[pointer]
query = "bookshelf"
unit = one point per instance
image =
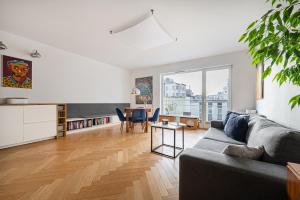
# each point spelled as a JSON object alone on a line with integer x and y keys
{"x": 61, "y": 120}
{"x": 89, "y": 122}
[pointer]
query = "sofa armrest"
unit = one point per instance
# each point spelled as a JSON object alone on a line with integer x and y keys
{"x": 210, "y": 175}
{"x": 217, "y": 124}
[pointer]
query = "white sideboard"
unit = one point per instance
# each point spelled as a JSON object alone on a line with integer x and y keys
{"x": 21, "y": 124}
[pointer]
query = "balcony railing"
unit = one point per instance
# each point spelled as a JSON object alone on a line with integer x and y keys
{"x": 214, "y": 108}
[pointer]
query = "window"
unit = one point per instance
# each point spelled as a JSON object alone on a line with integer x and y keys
{"x": 184, "y": 94}
{"x": 217, "y": 86}
{"x": 185, "y": 98}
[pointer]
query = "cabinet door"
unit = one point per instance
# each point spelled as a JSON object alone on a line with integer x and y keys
{"x": 11, "y": 125}
{"x": 40, "y": 130}
{"x": 39, "y": 113}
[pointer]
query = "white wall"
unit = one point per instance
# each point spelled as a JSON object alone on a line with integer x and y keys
{"x": 275, "y": 106}
{"x": 60, "y": 76}
{"x": 243, "y": 77}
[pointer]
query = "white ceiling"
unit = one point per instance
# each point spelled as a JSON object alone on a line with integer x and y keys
{"x": 203, "y": 27}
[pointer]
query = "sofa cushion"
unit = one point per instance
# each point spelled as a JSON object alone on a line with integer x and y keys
{"x": 281, "y": 144}
{"x": 236, "y": 127}
{"x": 219, "y": 135}
{"x": 252, "y": 126}
{"x": 243, "y": 151}
{"x": 211, "y": 145}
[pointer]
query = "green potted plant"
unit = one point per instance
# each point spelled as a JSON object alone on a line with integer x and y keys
{"x": 274, "y": 39}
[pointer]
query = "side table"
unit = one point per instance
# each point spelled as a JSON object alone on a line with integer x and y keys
{"x": 293, "y": 181}
{"x": 173, "y": 127}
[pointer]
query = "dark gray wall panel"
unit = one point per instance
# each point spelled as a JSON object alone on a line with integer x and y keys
{"x": 90, "y": 109}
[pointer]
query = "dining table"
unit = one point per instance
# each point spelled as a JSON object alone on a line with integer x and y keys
{"x": 129, "y": 110}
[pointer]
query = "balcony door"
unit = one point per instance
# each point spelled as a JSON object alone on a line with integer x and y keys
{"x": 217, "y": 93}
{"x": 204, "y": 93}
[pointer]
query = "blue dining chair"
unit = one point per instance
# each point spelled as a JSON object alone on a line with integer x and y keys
{"x": 121, "y": 118}
{"x": 138, "y": 116}
{"x": 154, "y": 118}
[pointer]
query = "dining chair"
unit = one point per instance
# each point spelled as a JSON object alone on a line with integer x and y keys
{"x": 154, "y": 118}
{"x": 121, "y": 118}
{"x": 138, "y": 116}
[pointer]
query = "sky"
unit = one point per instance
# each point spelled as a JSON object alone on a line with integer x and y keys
{"x": 215, "y": 80}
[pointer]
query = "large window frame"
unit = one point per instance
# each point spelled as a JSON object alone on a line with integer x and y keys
{"x": 204, "y": 70}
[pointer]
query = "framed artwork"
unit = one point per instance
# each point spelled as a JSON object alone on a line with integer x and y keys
{"x": 259, "y": 81}
{"x": 16, "y": 72}
{"x": 145, "y": 85}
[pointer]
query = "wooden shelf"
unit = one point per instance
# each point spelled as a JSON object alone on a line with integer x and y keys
{"x": 61, "y": 120}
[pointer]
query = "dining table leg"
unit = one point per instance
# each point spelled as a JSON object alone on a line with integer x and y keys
{"x": 146, "y": 126}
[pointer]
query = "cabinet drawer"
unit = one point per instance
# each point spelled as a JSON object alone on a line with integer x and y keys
{"x": 39, "y": 113}
{"x": 40, "y": 130}
{"x": 11, "y": 125}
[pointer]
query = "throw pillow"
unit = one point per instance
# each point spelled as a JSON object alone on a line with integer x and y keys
{"x": 243, "y": 151}
{"x": 236, "y": 127}
{"x": 229, "y": 113}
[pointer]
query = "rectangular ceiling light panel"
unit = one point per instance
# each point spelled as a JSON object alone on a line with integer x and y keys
{"x": 145, "y": 35}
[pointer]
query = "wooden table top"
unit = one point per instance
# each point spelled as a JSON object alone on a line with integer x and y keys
{"x": 295, "y": 168}
{"x": 131, "y": 109}
{"x": 170, "y": 125}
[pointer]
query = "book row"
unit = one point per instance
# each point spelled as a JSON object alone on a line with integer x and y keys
{"x": 86, "y": 123}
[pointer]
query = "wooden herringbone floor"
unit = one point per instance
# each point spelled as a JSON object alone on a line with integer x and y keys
{"x": 100, "y": 164}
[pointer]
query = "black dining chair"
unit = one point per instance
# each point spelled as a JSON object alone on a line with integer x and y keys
{"x": 154, "y": 118}
{"x": 121, "y": 118}
{"x": 138, "y": 116}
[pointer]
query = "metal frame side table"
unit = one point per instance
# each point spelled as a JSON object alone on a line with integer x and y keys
{"x": 173, "y": 127}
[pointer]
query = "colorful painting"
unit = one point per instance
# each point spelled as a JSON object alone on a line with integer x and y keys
{"x": 145, "y": 86}
{"x": 259, "y": 81}
{"x": 16, "y": 72}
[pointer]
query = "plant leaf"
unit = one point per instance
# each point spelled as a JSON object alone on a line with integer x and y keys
{"x": 251, "y": 25}
{"x": 267, "y": 14}
{"x": 287, "y": 13}
{"x": 295, "y": 100}
{"x": 266, "y": 72}
{"x": 297, "y": 52}
{"x": 243, "y": 37}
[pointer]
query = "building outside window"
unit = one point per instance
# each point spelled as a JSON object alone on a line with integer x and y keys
{"x": 220, "y": 111}
{"x": 182, "y": 94}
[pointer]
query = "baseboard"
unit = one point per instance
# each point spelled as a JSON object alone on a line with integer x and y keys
{"x": 27, "y": 142}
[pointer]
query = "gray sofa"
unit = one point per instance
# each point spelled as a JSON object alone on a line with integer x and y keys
{"x": 205, "y": 173}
